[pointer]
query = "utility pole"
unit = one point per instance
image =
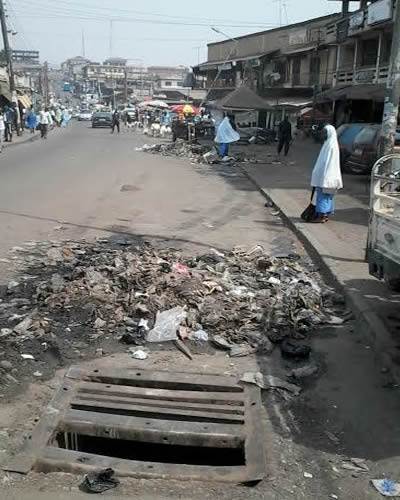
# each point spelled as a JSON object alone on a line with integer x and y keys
{"x": 391, "y": 109}
{"x": 126, "y": 84}
{"x": 111, "y": 38}
{"x": 8, "y": 55}
{"x": 46, "y": 83}
{"x": 83, "y": 43}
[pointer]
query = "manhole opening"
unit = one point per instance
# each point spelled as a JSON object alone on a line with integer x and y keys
{"x": 151, "y": 452}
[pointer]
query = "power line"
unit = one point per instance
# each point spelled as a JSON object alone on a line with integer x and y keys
{"x": 49, "y": 11}
{"x": 113, "y": 10}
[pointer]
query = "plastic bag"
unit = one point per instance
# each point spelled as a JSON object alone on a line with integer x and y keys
{"x": 387, "y": 487}
{"x": 225, "y": 133}
{"x": 166, "y": 325}
{"x": 97, "y": 482}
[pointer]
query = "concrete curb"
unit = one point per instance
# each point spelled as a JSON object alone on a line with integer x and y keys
{"x": 374, "y": 329}
{"x": 33, "y": 138}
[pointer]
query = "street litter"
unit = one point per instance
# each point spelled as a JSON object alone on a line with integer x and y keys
{"x": 98, "y": 482}
{"x": 166, "y": 326}
{"x": 142, "y": 355}
{"x": 387, "y": 487}
{"x": 355, "y": 464}
{"x": 268, "y": 382}
{"x": 38, "y": 374}
{"x": 27, "y": 356}
{"x": 304, "y": 371}
{"x": 81, "y": 293}
{"x": 308, "y": 475}
{"x": 200, "y": 335}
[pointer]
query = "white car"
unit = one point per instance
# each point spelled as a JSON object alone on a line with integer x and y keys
{"x": 85, "y": 116}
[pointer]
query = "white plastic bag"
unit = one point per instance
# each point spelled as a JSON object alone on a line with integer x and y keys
{"x": 166, "y": 325}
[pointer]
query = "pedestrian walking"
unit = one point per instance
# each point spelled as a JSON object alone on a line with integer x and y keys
{"x": 285, "y": 136}
{"x": 326, "y": 176}
{"x": 64, "y": 117}
{"x": 58, "y": 117}
{"x": 226, "y": 135}
{"x": 45, "y": 121}
{"x": 9, "y": 114}
{"x": 2, "y": 130}
{"x": 115, "y": 121}
{"x": 31, "y": 120}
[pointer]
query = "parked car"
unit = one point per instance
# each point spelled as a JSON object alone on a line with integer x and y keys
{"x": 85, "y": 116}
{"x": 102, "y": 119}
{"x": 366, "y": 148}
{"x": 346, "y": 135}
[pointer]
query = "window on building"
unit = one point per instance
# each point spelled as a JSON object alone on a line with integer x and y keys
{"x": 315, "y": 70}
{"x": 296, "y": 68}
{"x": 168, "y": 83}
{"x": 369, "y": 52}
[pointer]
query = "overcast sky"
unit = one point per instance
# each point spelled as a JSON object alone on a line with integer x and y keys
{"x": 140, "y": 29}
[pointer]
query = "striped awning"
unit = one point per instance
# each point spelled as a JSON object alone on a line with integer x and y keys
{"x": 25, "y": 100}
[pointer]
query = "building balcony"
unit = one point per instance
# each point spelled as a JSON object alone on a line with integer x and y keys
{"x": 361, "y": 75}
{"x": 375, "y": 15}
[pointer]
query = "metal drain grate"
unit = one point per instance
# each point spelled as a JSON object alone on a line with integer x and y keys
{"x": 149, "y": 424}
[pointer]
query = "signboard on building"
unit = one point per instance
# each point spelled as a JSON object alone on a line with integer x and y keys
{"x": 365, "y": 76}
{"x": 380, "y": 11}
{"x": 298, "y": 37}
{"x": 356, "y": 20}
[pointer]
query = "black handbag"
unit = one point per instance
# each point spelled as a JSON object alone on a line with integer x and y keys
{"x": 310, "y": 212}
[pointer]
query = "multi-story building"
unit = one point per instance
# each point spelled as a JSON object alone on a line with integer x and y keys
{"x": 26, "y": 56}
{"x": 285, "y": 66}
{"x": 364, "y": 39}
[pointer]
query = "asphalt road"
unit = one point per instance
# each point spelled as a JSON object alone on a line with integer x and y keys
{"x": 92, "y": 183}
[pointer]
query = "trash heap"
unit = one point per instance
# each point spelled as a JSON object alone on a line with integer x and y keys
{"x": 179, "y": 148}
{"x": 242, "y": 301}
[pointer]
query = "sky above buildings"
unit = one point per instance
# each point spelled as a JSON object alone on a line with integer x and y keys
{"x": 159, "y": 32}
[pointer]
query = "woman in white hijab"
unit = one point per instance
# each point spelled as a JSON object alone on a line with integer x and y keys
{"x": 327, "y": 176}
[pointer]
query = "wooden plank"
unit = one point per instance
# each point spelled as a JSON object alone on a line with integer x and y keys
{"x": 59, "y": 460}
{"x": 158, "y": 380}
{"x": 254, "y": 446}
{"x": 162, "y": 394}
{"x": 52, "y": 415}
{"x": 154, "y": 403}
{"x": 152, "y": 430}
{"x": 186, "y": 415}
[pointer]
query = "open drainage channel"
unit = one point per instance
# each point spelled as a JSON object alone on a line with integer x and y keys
{"x": 149, "y": 424}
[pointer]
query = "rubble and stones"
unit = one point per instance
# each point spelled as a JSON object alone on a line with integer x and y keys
{"x": 73, "y": 296}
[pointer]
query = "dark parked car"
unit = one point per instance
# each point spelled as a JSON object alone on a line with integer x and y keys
{"x": 366, "y": 148}
{"x": 101, "y": 119}
{"x": 346, "y": 135}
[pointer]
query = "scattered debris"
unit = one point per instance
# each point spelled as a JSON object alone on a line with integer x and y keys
{"x": 332, "y": 438}
{"x": 38, "y": 374}
{"x": 166, "y": 326}
{"x": 355, "y": 464}
{"x": 200, "y": 335}
{"x": 269, "y": 382}
{"x": 80, "y": 295}
{"x": 295, "y": 350}
{"x": 181, "y": 346}
{"x": 308, "y": 475}
{"x": 387, "y": 487}
{"x": 27, "y": 356}
{"x": 98, "y": 482}
{"x": 241, "y": 350}
{"x": 140, "y": 354}
{"x": 305, "y": 371}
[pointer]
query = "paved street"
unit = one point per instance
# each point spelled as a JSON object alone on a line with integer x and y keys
{"x": 84, "y": 183}
{"x": 95, "y": 184}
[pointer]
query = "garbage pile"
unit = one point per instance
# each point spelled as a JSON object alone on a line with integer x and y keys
{"x": 243, "y": 301}
{"x": 179, "y": 148}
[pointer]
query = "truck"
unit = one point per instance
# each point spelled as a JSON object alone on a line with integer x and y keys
{"x": 383, "y": 247}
